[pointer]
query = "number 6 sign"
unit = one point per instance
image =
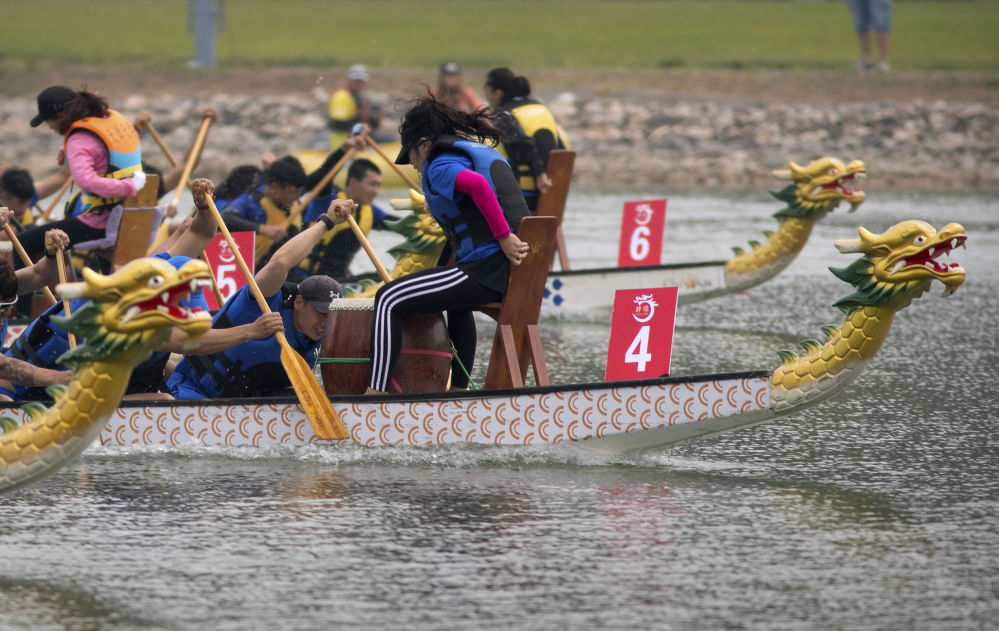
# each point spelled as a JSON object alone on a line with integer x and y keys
{"x": 642, "y": 225}
{"x": 641, "y": 338}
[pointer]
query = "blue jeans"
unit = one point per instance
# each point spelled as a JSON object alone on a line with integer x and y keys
{"x": 867, "y": 13}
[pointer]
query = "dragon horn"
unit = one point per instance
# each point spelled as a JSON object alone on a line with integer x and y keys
{"x": 846, "y": 246}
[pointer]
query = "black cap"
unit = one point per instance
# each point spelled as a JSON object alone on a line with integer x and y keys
{"x": 50, "y": 102}
{"x": 403, "y": 157}
{"x": 449, "y": 67}
{"x": 320, "y": 291}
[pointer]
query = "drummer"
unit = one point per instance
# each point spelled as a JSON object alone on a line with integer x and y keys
{"x": 473, "y": 194}
{"x": 254, "y": 368}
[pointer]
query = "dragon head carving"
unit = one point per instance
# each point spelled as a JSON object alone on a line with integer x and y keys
{"x": 819, "y": 187}
{"x": 134, "y": 306}
{"x": 900, "y": 263}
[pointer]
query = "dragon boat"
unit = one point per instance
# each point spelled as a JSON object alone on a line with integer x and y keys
{"x": 813, "y": 191}
{"x": 895, "y": 267}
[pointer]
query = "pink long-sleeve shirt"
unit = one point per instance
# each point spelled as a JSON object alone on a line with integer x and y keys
{"x": 87, "y": 158}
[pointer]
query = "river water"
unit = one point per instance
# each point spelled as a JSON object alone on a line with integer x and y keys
{"x": 878, "y": 509}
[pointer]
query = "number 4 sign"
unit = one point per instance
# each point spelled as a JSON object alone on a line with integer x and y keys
{"x": 642, "y": 225}
{"x": 641, "y": 339}
{"x": 223, "y": 263}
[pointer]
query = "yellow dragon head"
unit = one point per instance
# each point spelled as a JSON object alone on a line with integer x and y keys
{"x": 900, "y": 263}
{"x": 820, "y": 186}
{"x": 136, "y": 305}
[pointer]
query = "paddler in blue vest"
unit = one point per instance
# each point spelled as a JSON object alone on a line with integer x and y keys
{"x": 254, "y": 368}
{"x": 473, "y": 194}
{"x": 530, "y": 132}
{"x": 103, "y": 154}
{"x": 25, "y": 281}
{"x": 43, "y": 342}
{"x": 337, "y": 248}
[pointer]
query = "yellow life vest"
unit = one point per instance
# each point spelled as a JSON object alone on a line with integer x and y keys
{"x": 275, "y": 217}
{"x": 365, "y": 218}
{"x": 532, "y": 118}
{"x": 124, "y": 151}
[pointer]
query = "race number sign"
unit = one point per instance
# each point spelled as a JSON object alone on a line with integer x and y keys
{"x": 224, "y": 267}
{"x": 641, "y": 338}
{"x": 642, "y": 225}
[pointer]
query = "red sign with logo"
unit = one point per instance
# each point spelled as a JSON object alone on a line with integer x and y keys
{"x": 224, "y": 266}
{"x": 642, "y": 226}
{"x": 641, "y": 339}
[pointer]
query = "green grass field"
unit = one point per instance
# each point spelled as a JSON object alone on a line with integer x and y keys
{"x": 535, "y": 33}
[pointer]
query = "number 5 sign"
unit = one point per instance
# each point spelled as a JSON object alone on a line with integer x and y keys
{"x": 642, "y": 225}
{"x": 224, "y": 266}
{"x": 641, "y": 339}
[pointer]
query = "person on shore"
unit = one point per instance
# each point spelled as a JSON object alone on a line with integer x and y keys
{"x": 350, "y": 105}
{"x": 338, "y": 247}
{"x": 529, "y": 130}
{"x": 103, "y": 154}
{"x": 43, "y": 341}
{"x": 253, "y": 368}
{"x": 473, "y": 194}
{"x": 867, "y": 14}
{"x": 451, "y": 89}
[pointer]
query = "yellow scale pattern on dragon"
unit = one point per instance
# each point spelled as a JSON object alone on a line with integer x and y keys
{"x": 814, "y": 191}
{"x": 130, "y": 314}
{"x": 897, "y": 266}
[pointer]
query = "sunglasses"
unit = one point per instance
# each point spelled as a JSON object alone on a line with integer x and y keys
{"x": 8, "y": 303}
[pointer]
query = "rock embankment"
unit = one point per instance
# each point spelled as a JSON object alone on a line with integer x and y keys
{"x": 628, "y": 141}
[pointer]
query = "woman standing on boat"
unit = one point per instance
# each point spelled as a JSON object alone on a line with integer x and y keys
{"x": 529, "y": 130}
{"x": 473, "y": 194}
{"x": 103, "y": 154}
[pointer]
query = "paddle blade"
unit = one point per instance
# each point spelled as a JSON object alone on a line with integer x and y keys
{"x": 325, "y": 421}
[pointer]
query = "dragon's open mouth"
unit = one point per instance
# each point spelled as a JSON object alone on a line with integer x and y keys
{"x": 168, "y": 301}
{"x": 928, "y": 256}
{"x": 847, "y": 186}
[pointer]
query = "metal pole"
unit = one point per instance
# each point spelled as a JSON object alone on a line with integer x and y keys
{"x": 202, "y": 16}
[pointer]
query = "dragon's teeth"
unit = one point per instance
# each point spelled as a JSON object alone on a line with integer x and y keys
{"x": 133, "y": 311}
{"x": 163, "y": 309}
{"x": 165, "y": 296}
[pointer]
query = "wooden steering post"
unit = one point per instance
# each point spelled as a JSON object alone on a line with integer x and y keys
{"x": 324, "y": 419}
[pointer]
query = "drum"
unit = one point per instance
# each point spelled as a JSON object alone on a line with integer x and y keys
{"x": 424, "y": 363}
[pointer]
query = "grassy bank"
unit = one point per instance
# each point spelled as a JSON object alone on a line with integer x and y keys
{"x": 522, "y": 34}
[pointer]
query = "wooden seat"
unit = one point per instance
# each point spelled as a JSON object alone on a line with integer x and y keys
{"x": 517, "y": 340}
{"x": 552, "y": 202}
{"x": 139, "y": 219}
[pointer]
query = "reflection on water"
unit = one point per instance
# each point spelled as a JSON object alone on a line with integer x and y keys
{"x": 875, "y": 510}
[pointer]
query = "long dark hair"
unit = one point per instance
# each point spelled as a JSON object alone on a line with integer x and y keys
{"x": 511, "y": 85}
{"x": 429, "y": 118}
{"x": 83, "y": 105}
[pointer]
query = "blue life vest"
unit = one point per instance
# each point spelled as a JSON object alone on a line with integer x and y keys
{"x": 470, "y": 237}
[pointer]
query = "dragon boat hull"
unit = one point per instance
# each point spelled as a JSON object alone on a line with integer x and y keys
{"x": 582, "y": 291}
{"x": 610, "y": 417}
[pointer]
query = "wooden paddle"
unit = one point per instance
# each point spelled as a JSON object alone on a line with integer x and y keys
{"x": 55, "y": 200}
{"x": 324, "y": 419}
{"x": 185, "y": 175}
{"x": 391, "y": 162}
{"x": 66, "y": 309}
{"x": 367, "y": 248}
{"x": 301, "y": 204}
{"x": 27, "y": 260}
{"x": 159, "y": 141}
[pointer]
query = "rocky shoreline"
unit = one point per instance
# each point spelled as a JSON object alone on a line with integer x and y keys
{"x": 638, "y": 140}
